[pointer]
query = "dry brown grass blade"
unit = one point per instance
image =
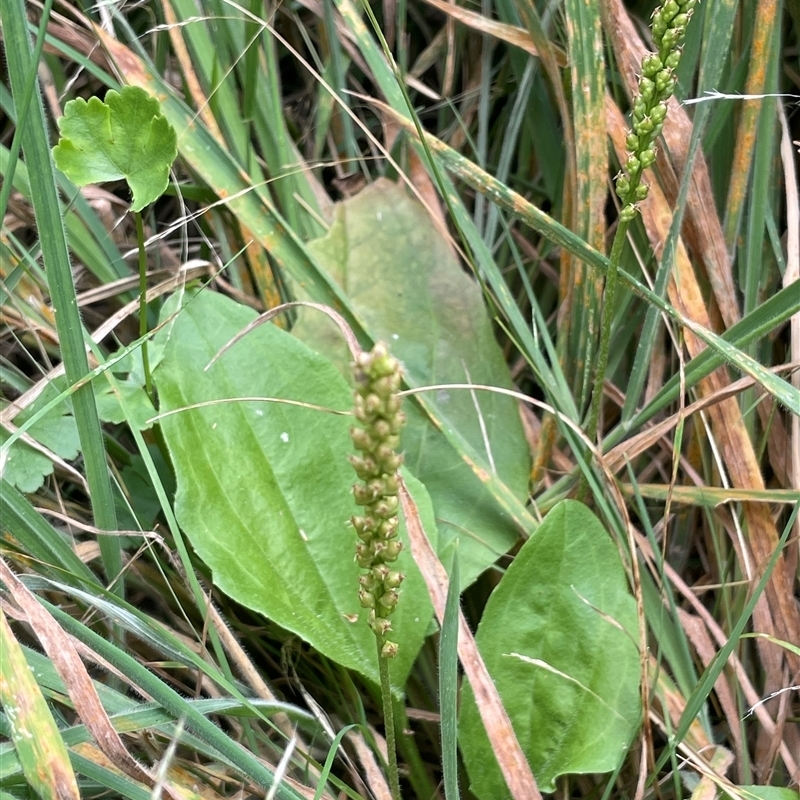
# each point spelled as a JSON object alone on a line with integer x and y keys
{"x": 617, "y": 457}
{"x": 737, "y": 450}
{"x": 719, "y": 636}
{"x": 712, "y": 496}
{"x": 507, "y": 750}
{"x": 673, "y": 703}
{"x": 792, "y": 275}
{"x": 702, "y": 228}
{"x": 711, "y": 761}
{"x": 700, "y": 638}
{"x": 766, "y": 18}
{"x": 510, "y": 34}
{"x": 189, "y": 75}
{"x": 256, "y": 257}
{"x": 373, "y": 776}
{"x": 62, "y": 652}
{"x": 187, "y": 272}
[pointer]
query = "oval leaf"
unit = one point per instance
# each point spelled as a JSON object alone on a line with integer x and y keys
{"x": 559, "y": 638}
{"x": 264, "y": 488}
{"x": 405, "y": 283}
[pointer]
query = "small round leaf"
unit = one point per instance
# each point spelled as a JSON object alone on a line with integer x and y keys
{"x": 124, "y": 137}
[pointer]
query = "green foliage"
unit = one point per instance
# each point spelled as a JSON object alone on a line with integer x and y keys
{"x": 404, "y": 281}
{"x": 517, "y": 126}
{"x": 559, "y": 638}
{"x": 26, "y": 467}
{"x": 130, "y": 386}
{"x": 124, "y": 137}
{"x": 264, "y": 488}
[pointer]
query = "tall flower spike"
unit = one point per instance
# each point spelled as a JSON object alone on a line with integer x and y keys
{"x": 377, "y": 407}
{"x": 656, "y": 86}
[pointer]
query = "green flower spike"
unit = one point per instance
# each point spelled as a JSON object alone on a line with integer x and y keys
{"x": 650, "y": 107}
{"x": 377, "y": 408}
{"x": 648, "y": 113}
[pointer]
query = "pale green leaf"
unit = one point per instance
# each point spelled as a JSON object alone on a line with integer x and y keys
{"x": 26, "y": 468}
{"x": 403, "y": 280}
{"x": 130, "y": 383}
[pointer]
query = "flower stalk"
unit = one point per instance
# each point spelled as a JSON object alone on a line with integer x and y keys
{"x": 656, "y": 86}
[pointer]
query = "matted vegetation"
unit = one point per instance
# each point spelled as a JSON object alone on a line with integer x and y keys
{"x": 600, "y": 425}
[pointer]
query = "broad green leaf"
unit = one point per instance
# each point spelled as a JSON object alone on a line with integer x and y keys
{"x": 264, "y": 489}
{"x": 559, "y": 639}
{"x": 25, "y": 467}
{"x": 403, "y": 280}
{"x": 124, "y": 137}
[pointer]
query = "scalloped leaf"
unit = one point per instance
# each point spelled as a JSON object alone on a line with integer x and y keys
{"x": 26, "y": 468}
{"x": 126, "y": 136}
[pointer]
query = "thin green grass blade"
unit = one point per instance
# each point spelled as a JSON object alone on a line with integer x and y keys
{"x": 26, "y": 96}
{"x": 62, "y": 290}
{"x": 174, "y": 704}
{"x": 129, "y": 715}
{"x": 509, "y": 149}
{"x": 118, "y": 785}
{"x": 216, "y": 78}
{"x": 448, "y": 683}
{"x": 38, "y": 539}
{"x": 249, "y": 68}
{"x": 484, "y": 112}
{"x": 756, "y": 325}
{"x": 669, "y": 636}
{"x": 330, "y": 758}
{"x": 558, "y": 234}
{"x": 338, "y": 65}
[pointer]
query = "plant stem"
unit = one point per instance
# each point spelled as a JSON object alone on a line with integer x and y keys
{"x": 388, "y": 720}
{"x": 609, "y": 297}
{"x": 148, "y": 380}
